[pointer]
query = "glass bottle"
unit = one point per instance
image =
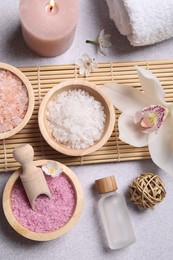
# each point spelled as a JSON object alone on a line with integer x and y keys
{"x": 114, "y": 214}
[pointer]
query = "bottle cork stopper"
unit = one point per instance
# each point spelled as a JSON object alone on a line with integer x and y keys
{"x": 106, "y": 184}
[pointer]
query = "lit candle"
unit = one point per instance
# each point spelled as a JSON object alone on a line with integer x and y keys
{"x": 48, "y": 27}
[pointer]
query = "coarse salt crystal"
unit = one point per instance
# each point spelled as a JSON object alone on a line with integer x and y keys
{"x": 76, "y": 119}
{"x": 13, "y": 101}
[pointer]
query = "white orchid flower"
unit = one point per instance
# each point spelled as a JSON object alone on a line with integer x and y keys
{"x": 52, "y": 169}
{"x": 103, "y": 42}
{"x": 86, "y": 65}
{"x": 146, "y": 118}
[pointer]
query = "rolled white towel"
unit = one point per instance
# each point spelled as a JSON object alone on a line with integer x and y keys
{"x": 144, "y": 22}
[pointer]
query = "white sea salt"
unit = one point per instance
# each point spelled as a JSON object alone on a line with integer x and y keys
{"x": 76, "y": 119}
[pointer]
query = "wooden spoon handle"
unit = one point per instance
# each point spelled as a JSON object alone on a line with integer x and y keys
{"x": 32, "y": 177}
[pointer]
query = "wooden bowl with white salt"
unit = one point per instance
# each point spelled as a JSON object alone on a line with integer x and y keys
{"x": 76, "y": 118}
{"x": 52, "y": 217}
{"x": 17, "y": 100}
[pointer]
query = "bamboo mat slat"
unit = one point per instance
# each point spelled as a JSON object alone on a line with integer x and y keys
{"x": 43, "y": 78}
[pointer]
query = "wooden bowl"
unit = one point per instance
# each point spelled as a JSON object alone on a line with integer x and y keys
{"x": 6, "y": 201}
{"x": 98, "y": 95}
{"x": 30, "y": 93}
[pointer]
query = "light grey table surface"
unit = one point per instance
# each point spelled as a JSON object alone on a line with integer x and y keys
{"x": 153, "y": 228}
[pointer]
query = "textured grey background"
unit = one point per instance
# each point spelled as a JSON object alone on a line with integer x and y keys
{"x": 153, "y": 228}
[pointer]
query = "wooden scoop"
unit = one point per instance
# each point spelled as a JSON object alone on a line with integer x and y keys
{"x": 32, "y": 177}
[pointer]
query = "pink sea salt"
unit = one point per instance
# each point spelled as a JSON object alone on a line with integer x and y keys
{"x": 49, "y": 214}
{"x": 13, "y": 101}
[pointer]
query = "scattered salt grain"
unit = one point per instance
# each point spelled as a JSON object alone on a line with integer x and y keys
{"x": 13, "y": 101}
{"x": 49, "y": 214}
{"x": 76, "y": 119}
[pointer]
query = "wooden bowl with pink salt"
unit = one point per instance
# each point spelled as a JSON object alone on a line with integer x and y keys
{"x": 16, "y": 100}
{"x": 53, "y": 216}
{"x": 76, "y": 118}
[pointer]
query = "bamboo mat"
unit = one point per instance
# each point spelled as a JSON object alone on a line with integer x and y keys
{"x": 45, "y": 77}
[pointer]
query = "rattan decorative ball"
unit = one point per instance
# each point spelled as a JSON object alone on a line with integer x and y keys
{"x": 147, "y": 190}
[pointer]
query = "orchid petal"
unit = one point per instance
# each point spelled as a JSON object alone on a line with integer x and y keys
{"x": 125, "y": 98}
{"x": 161, "y": 148}
{"x": 150, "y": 130}
{"x": 130, "y": 133}
{"x": 151, "y": 86}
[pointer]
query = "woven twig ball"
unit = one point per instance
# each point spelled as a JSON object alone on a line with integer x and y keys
{"x": 147, "y": 190}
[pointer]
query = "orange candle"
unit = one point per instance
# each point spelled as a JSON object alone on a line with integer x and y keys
{"x": 48, "y": 27}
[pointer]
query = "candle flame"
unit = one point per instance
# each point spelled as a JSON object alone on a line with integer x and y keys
{"x": 52, "y": 4}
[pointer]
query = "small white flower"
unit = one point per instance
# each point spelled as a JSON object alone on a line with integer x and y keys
{"x": 86, "y": 65}
{"x": 103, "y": 42}
{"x": 52, "y": 169}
